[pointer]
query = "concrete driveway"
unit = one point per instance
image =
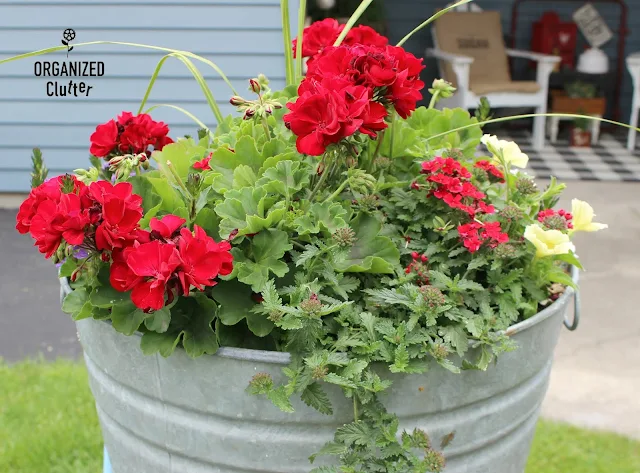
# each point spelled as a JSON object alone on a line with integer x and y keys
{"x": 596, "y": 377}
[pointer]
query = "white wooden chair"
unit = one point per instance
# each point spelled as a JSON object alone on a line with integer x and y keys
{"x": 633, "y": 65}
{"x": 472, "y": 56}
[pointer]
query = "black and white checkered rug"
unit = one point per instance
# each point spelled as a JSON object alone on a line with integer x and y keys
{"x": 609, "y": 160}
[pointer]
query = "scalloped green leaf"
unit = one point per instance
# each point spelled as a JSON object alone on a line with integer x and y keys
{"x": 244, "y": 210}
{"x": 286, "y": 178}
{"x": 326, "y": 217}
{"x": 267, "y": 249}
{"x": 182, "y": 154}
{"x": 371, "y": 253}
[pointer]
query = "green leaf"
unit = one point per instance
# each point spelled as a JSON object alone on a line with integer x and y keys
{"x": 225, "y": 161}
{"x": 401, "y": 361}
{"x": 329, "y": 448}
{"x": 68, "y": 267}
{"x": 467, "y": 285}
{"x": 326, "y": 217}
{"x": 170, "y": 198}
{"x": 570, "y": 258}
{"x": 235, "y": 304}
{"x": 456, "y": 336}
{"x": 209, "y": 221}
{"x": 107, "y": 296}
{"x": 158, "y": 321}
{"x": 314, "y": 396}
{"x": 286, "y": 178}
{"x": 199, "y": 337}
{"x": 357, "y": 433}
{"x": 181, "y": 154}
{"x": 244, "y": 210}
{"x": 267, "y": 249}
{"x": 126, "y": 317}
{"x": 280, "y": 399}
{"x": 74, "y": 301}
{"x": 333, "y": 378}
{"x": 163, "y": 343}
{"x": 371, "y": 253}
{"x": 244, "y": 176}
{"x": 559, "y": 276}
{"x": 150, "y": 199}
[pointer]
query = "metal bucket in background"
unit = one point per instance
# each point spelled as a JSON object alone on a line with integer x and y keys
{"x": 176, "y": 414}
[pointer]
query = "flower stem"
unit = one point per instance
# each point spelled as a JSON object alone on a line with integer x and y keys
{"x": 355, "y": 408}
{"x": 265, "y": 125}
{"x": 338, "y": 191}
{"x": 175, "y": 175}
{"x": 434, "y": 98}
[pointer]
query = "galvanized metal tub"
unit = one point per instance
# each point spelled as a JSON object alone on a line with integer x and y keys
{"x": 176, "y": 414}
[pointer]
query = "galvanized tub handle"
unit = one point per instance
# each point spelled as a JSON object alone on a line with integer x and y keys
{"x": 576, "y": 313}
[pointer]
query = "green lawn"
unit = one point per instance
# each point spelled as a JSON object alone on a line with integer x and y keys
{"x": 48, "y": 425}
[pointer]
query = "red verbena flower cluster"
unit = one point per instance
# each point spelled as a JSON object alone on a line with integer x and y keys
{"x": 454, "y": 187}
{"x": 322, "y": 34}
{"x": 419, "y": 266}
{"x": 474, "y": 234}
{"x": 490, "y": 169}
{"x": 167, "y": 261}
{"x": 556, "y": 220}
{"x": 129, "y": 134}
{"x": 348, "y": 89}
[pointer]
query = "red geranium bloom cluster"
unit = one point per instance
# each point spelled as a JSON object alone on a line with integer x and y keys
{"x": 474, "y": 234}
{"x": 556, "y": 220}
{"x": 490, "y": 169}
{"x": 454, "y": 187}
{"x": 347, "y": 89}
{"x": 167, "y": 261}
{"x": 332, "y": 109}
{"x": 101, "y": 216}
{"x": 129, "y": 134}
{"x": 322, "y": 34}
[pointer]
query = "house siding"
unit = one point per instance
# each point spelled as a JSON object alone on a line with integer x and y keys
{"x": 404, "y": 15}
{"x": 243, "y": 37}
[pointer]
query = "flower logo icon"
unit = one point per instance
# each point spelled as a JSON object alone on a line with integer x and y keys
{"x": 68, "y": 35}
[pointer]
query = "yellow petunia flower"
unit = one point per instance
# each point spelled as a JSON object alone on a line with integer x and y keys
{"x": 583, "y": 217}
{"x": 509, "y": 151}
{"x": 548, "y": 242}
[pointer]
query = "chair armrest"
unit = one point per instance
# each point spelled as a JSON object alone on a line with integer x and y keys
{"x": 456, "y": 59}
{"x": 534, "y": 56}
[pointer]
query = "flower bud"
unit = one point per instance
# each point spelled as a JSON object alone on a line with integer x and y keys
{"x": 445, "y": 88}
{"x": 237, "y": 101}
{"x": 254, "y": 86}
{"x": 248, "y": 114}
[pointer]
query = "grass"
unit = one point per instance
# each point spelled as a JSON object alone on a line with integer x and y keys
{"x": 48, "y": 424}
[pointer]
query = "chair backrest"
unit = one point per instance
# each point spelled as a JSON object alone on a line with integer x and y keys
{"x": 471, "y": 6}
{"x": 477, "y": 35}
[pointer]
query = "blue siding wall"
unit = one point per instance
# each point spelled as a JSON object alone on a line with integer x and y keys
{"x": 243, "y": 37}
{"x": 404, "y": 15}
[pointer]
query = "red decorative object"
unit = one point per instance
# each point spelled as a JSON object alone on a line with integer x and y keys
{"x": 552, "y": 36}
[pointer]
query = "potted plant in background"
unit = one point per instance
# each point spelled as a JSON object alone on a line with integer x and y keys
{"x": 332, "y": 273}
{"x": 580, "y": 134}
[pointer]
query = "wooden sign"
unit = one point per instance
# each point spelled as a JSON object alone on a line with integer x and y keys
{"x": 592, "y": 25}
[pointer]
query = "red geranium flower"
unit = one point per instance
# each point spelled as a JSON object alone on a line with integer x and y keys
{"x": 167, "y": 227}
{"x": 154, "y": 263}
{"x": 121, "y": 213}
{"x": 202, "y": 259}
{"x": 316, "y": 119}
{"x": 104, "y": 139}
{"x": 130, "y": 134}
{"x": 203, "y": 164}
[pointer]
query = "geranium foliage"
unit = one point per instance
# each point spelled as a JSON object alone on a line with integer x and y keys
{"x": 335, "y": 221}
